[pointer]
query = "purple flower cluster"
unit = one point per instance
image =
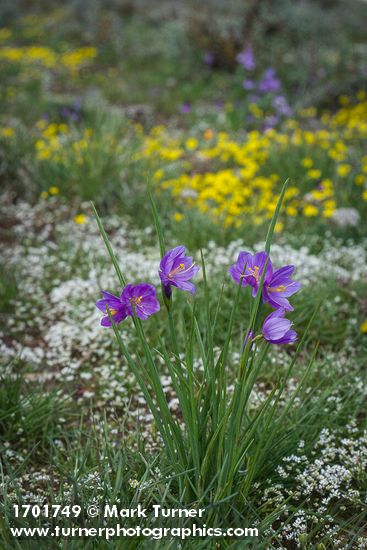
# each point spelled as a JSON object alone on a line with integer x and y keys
{"x": 140, "y": 298}
{"x": 176, "y": 269}
{"x": 266, "y": 85}
{"x": 277, "y": 287}
{"x": 269, "y": 82}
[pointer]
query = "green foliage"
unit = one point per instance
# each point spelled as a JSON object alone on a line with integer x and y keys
{"x": 220, "y": 437}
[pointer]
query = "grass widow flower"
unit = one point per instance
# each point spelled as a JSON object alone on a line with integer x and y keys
{"x": 277, "y": 330}
{"x": 176, "y": 269}
{"x": 279, "y": 287}
{"x": 116, "y": 306}
{"x": 249, "y": 269}
{"x": 142, "y": 298}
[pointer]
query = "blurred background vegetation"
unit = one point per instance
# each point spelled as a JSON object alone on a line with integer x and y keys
{"x": 83, "y": 85}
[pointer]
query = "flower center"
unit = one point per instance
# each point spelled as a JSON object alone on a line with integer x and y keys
{"x": 181, "y": 267}
{"x": 136, "y": 300}
{"x": 280, "y": 288}
{"x": 112, "y": 311}
{"x": 255, "y": 272}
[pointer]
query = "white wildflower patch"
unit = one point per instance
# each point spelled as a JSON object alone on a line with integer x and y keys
{"x": 324, "y": 480}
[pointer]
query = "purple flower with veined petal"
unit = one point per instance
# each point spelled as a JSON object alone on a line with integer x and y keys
{"x": 141, "y": 297}
{"x": 246, "y": 58}
{"x": 249, "y": 269}
{"x": 116, "y": 306}
{"x": 279, "y": 287}
{"x": 277, "y": 330}
{"x": 176, "y": 269}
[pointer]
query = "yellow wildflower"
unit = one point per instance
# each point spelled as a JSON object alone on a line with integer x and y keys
{"x": 191, "y": 143}
{"x": 80, "y": 219}
{"x": 343, "y": 100}
{"x": 314, "y": 174}
{"x": 178, "y": 217}
{"x": 7, "y": 132}
{"x": 343, "y": 170}
{"x": 360, "y": 179}
{"x": 310, "y": 210}
{"x": 307, "y": 162}
{"x": 279, "y": 226}
{"x": 291, "y": 211}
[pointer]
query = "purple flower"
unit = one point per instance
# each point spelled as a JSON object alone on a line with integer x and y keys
{"x": 185, "y": 107}
{"x": 246, "y": 59}
{"x": 140, "y": 297}
{"x": 209, "y": 59}
{"x": 254, "y": 268}
{"x": 279, "y": 287}
{"x": 269, "y": 82}
{"x": 281, "y": 105}
{"x": 277, "y": 330}
{"x": 176, "y": 269}
{"x": 116, "y": 306}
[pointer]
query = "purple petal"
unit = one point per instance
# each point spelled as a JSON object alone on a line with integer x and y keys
{"x": 274, "y": 329}
{"x": 289, "y": 337}
{"x": 237, "y": 270}
{"x": 108, "y": 296}
{"x": 117, "y": 318}
{"x": 283, "y": 273}
{"x": 235, "y": 274}
{"x": 101, "y": 304}
{"x": 185, "y": 285}
{"x": 278, "y": 313}
{"x": 277, "y": 300}
{"x": 169, "y": 258}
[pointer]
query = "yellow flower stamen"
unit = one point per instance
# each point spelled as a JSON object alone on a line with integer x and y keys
{"x": 112, "y": 311}
{"x": 255, "y": 272}
{"x": 280, "y": 288}
{"x": 178, "y": 269}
